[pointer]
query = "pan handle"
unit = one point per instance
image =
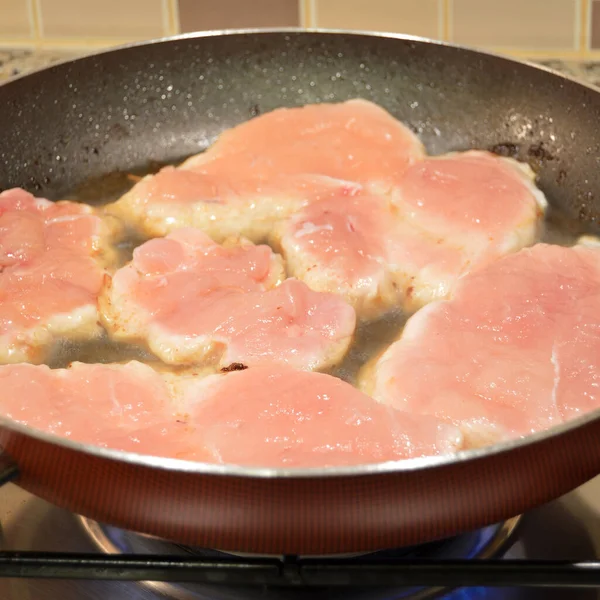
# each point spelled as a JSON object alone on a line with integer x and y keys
{"x": 8, "y": 467}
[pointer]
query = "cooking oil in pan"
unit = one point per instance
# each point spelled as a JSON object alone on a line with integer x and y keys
{"x": 97, "y": 350}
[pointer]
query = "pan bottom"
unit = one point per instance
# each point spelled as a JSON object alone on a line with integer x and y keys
{"x": 488, "y": 542}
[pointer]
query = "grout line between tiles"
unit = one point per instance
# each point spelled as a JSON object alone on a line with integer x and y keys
{"x": 593, "y": 5}
{"x": 567, "y": 53}
{"x": 302, "y": 20}
{"x": 165, "y": 17}
{"x": 171, "y": 9}
{"x": 577, "y": 29}
{"x": 448, "y": 21}
{"x": 35, "y": 10}
{"x": 31, "y": 20}
{"x": 579, "y": 25}
{"x": 545, "y": 54}
{"x": 442, "y": 18}
{"x": 311, "y": 6}
{"x": 175, "y": 16}
{"x": 585, "y": 19}
{"x": 83, "y": 44}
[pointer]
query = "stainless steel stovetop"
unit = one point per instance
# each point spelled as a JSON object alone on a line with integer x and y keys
{"x": 568, "y": 529}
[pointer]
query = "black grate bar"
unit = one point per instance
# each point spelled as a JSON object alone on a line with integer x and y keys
{"x": 302, "y": 572}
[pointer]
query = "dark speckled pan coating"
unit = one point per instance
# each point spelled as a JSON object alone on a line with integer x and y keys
{"x": 163, "y": 101}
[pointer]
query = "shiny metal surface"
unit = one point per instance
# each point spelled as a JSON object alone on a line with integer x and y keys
{"x": 568, "y": 528}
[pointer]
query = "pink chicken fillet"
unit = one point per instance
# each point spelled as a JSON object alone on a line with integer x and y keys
{"x": 102, "y": 405}
{"x": 195, "y": 301}
{"x": 267, "y": 168}
{"x": 50, "y": 279}
{"x": 278, "y": 416}
{"x": 264, "y": 416}
{"x": 447, "y": 215}
{"x": 514, "y": 351}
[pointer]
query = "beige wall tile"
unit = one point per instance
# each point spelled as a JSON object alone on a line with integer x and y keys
{"x": 196, "y": 15}
{"x": 130, "y": 19}
{"x": 527, "y": 24}
{"x": 14, "y": 19}
{"x": 595, "y": 25}
{"x": 415, "y": 17}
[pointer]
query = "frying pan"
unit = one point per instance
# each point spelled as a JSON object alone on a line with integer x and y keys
{"x": 167, "y": 99}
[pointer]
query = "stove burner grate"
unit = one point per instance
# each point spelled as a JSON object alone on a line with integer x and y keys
{"x": 486, "y": 543}
{"x": 208, "y": 575}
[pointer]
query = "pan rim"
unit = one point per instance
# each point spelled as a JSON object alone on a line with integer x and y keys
{"x": 267, "y": 473}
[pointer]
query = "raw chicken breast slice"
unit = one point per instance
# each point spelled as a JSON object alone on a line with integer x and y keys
{"x": 50, "y": 256}
{"x": 102, "y": 405}
{"x": 194, "y": 301}
{"x": 267, "y": 168}
{"x": 354, "y": 140}
{"x": 486, "y": 203}
{"x": 175, "y": 198}
{"x": 361, "y": 249}
{"x": 30, "y": 226}
{"x": 515, "y": 350}
{"x": 271, "y": 416}
{"x": 448, "y": 216}
{"x": 276, "y": 416}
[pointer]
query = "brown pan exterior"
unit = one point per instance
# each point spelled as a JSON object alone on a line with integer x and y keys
{"x": 318, "y": 515}
{"x": 56, "y": 133}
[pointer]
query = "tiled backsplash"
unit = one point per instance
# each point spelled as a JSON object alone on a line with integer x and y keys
{"x": 536, "y": 28}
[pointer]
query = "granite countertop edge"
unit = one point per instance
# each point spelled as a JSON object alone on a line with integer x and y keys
{"x": 14, "y": 62}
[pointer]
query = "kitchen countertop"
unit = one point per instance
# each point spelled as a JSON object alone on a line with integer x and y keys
{"x": 17, "y": 62}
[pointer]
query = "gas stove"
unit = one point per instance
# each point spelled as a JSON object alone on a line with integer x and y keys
{"x": 566, "y": 530}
